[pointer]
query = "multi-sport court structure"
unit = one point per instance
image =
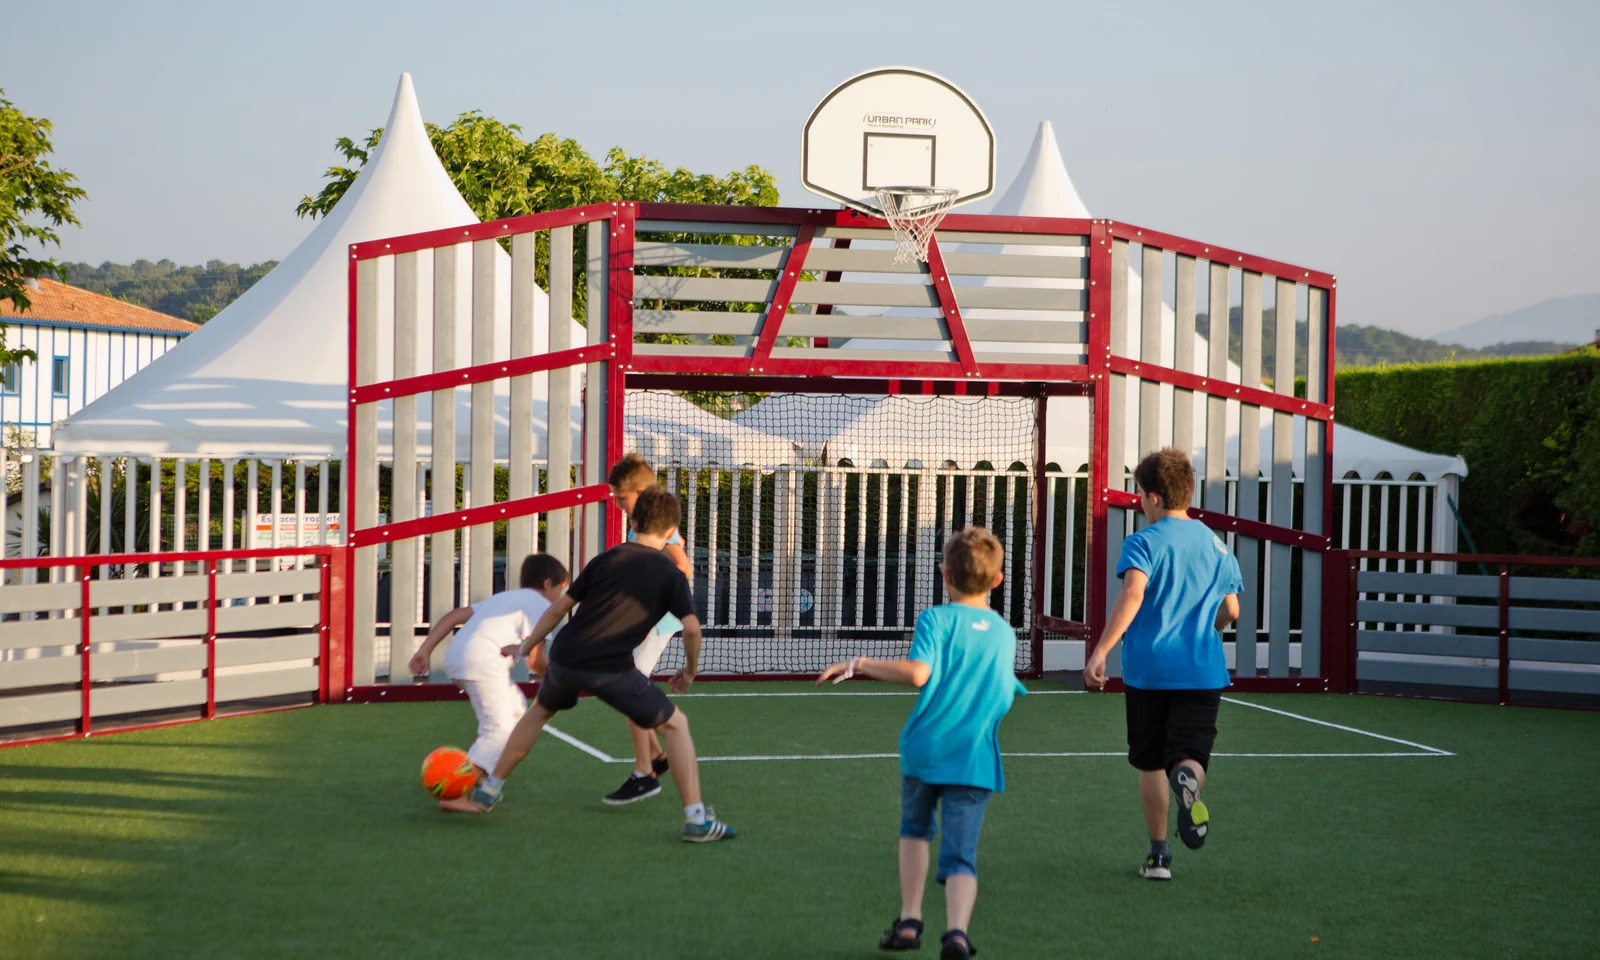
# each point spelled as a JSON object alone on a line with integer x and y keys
{"x": 811, "y": 542}
{"x": 804, "y": 554}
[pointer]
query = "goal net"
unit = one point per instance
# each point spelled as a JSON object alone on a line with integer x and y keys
{"x": 815, "y": 521}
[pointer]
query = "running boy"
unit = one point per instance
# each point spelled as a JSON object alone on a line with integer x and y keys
{"x": 620, "y": 595}
{"x": 1180, "y": 586}
{"x": 628, "y": 478}
{"x": 475, "y": 661}
{"x": 963, "y": 658}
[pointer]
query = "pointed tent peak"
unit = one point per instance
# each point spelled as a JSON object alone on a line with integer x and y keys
{"x": 1042, "y": 187}
{"x": 405, "y": 117}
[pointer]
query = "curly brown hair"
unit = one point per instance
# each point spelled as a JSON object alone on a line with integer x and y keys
{"x": 973, "y": 557}
{"x": 1168, "y": 474}
{"x": 630, "y": 474}
{"x": 656, "y": 511}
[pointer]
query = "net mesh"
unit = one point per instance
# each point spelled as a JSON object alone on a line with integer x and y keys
{"x": 913, "y": 213}
{"x": 815, "y": 521}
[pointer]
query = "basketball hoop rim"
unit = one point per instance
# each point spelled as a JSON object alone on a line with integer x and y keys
{"x": 941, "y": 199}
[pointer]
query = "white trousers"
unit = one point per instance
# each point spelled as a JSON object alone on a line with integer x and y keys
{"x": 499, "y": 704}
{"x": 646, "y": 655}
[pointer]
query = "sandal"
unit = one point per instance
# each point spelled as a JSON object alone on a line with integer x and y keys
{"x": 892, "y": 939}
{"x": 955, "y": 945}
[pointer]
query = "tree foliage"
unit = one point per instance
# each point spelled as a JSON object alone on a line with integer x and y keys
{"x": 195, "y": 293}
{"x": 35, "y": 199}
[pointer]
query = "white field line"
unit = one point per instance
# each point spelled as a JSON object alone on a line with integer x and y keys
{"x": 595, "y": 752}
{"x": 1086, "y": 753}
{"x": 1338, "y": 726}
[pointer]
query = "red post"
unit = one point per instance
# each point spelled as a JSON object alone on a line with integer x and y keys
{"x": 1041, "y": 533}
{"x": 322, "y": 630}
{"x": 1352, "y": 625}
{"x": 339, "y": 667}
{"x": 211, "y": 640}
{"x": 84, "y": 724}
{"x": 1505, "y": 633}
{"x": 1335, "y": 620}
{"x": 1099, "y": 364}
{"x": 619, "y": 286}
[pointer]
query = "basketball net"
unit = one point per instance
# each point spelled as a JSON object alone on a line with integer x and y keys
{"x": 913, "y": 214}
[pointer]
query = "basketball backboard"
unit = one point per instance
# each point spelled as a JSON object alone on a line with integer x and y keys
{"x": 896, "y": 127}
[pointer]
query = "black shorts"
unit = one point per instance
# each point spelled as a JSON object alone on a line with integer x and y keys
{"x": 630, "y": 693}
{"x": 1166, "y": 726}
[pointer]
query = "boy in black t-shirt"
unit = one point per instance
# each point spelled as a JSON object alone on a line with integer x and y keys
{"x": 620, "y": 596}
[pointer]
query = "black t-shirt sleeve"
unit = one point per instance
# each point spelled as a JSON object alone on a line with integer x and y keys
{"x": 680, "y": 600}
{"x": 579, "y": 585}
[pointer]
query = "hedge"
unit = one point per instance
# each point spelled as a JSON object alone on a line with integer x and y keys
{"x": 1529, "y": 430}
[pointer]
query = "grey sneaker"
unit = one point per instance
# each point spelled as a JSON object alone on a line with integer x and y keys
{"x": 633, "y": 789}
{"x": 710, "y": 831}
{"x": 1156, "y": 868}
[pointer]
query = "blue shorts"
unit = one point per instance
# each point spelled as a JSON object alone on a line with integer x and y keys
{"x": 962, "y": 818}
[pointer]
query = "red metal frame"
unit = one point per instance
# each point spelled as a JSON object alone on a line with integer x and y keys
{"x": 1228, "y": 522}
{"x": 1099, "y": 471}
{"x": 85, "y": 567}
{"x": 948, "y": 306}
{"x": 484, "y": 373}
{"x": 794, "y": 264}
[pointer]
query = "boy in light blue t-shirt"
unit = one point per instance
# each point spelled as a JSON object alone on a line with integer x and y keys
{"x": 963, "y": 659}
{"x": 1180, "y": 587}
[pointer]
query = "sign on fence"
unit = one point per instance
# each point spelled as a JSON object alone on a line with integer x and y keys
{"x": 310, "y": 529}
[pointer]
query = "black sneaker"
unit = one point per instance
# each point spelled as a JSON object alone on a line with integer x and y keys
{"x": 1193, "y": 818}
{"x": 1156, "y": 868}
{"x": 634, "y": 789}
{"x": 659, "y": 766}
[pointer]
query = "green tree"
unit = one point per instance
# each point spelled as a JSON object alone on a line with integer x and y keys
{"x": 35, "y": 198}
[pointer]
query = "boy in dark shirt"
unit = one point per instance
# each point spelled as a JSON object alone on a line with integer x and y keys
{"x": 620, "y": 597}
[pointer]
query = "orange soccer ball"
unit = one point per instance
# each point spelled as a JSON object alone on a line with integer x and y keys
{"x": 447, "y": 773}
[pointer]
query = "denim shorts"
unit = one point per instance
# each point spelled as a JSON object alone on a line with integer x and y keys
{"x": 961, "y": 817}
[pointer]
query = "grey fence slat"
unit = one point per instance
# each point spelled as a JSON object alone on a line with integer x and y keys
{"x": 688, "y": 350}
{"x": 947, "y": 237}
{"x": 1041, "y": 357}
{"x": 558, "y": 477}
{"x": 1431, "y": 644}
{"x": 923, "y": 328}
{"x": 34, "y": 597}
{"x": 1428, "y": 584}
{"x": 1316, "y": 478}
{"x": 442, "y": 463}
{"x": 307, "y": 613}
{"x": 1564, "y": 621}
{"x": 403, "y": 497}
{"x": 1427, "y": 614}
{"x": 855, "y": 294}
{"x": 167, "y": 625}
{"x": 23, "y": 634}
{"x": 595, "y": 399}
{"x": 481, "y": 536}
{"x": 40, "y": 708}
{"x": 1150, "y": 320}
{"x": 167, "y": 590}
{"x": 1116, "y": 439}
{"x": 856, "y": 260}
{"x": 736, "y": 323}
{"x": 139, "y": 697}
{"x": 253, "y": 650}
{"x": 1555, "y": 651}
{"x": 364, "y": 492}
{"x": 1436, "y": 673}
{"x": 122, "y": 664}
{"x": 1546, "y": 588}
{"x": 43, "y": 672}
{"x": 1282, "y": 482}
{"x": 269, "y": 584}
{"x": 1216, "y": 487}
{"x": 1249, "y": 486}
{"x": 1183, "y": 347}
{"x": 738, "y": 229}
{"x": 270, "y": 683}
{"x": 1532, "y": 679}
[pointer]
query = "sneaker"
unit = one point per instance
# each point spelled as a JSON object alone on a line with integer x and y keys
{"x": 485, "y": 797}
{"x": 710, "y": 831}
{"x": 1193, "y": 817}
{"x": 1156, "y": 868}
{"x": 634, "y": 789}
{"x": 659, "y": 766}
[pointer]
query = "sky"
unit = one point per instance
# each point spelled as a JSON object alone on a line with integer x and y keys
{"x": 1440, "y": 158}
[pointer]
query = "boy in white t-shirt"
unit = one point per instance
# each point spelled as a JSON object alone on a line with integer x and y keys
{"x": 475, "y": 662}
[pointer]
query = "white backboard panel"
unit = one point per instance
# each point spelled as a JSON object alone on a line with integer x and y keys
{"x": 896, "y": 127}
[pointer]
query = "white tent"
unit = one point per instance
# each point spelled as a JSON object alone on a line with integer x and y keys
{"x": 1044, "y": 189}
{"x": 664, "y": 427}
{"x": 266, "y": 377}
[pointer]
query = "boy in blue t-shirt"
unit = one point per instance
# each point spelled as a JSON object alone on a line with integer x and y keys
{"x": 1180, "y": 587}
{"x": 963, "y": 659}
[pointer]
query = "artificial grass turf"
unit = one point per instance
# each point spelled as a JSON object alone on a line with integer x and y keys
{"x": 306, "y": 832}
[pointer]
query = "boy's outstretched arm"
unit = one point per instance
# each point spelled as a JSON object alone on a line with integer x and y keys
{"x": 422, "y": 659}
{"x": 1122, "y": 614}
{"x": 684, "y": 678}
{"x": 910, "y": 673}
{"x": 1228, "y": 611}
{"x": 542, "y": 629}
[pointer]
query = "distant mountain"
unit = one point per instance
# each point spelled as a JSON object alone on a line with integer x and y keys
{"x": 1569, "y": 320}
{"x": 193, "y": 293}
